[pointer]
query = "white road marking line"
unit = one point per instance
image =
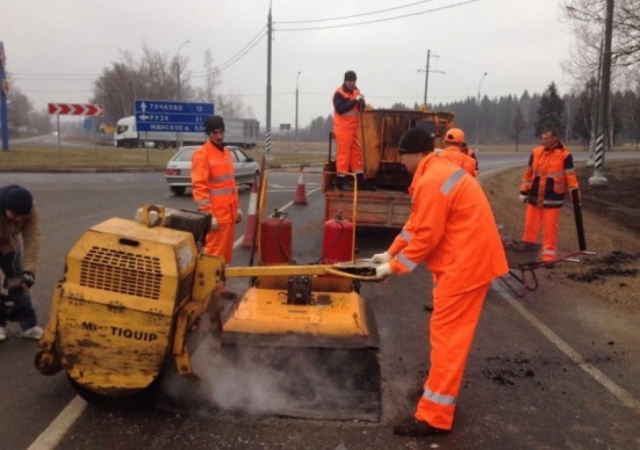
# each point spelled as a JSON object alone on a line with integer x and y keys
{"x": 51, "y": 437}
{"x": 625, "y": 398}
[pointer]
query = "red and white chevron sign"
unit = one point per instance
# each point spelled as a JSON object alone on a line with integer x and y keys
{"x": 75, "y": 109}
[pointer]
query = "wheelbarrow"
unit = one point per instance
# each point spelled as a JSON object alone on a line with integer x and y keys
{"x": 522, "y": 258}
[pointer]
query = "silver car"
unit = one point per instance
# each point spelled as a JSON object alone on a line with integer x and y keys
{"x": 178, "y": 173}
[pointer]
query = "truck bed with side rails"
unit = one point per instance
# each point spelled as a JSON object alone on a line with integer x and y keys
{"x": 383, "y": 201}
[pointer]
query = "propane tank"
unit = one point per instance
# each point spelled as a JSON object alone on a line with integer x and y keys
{"x": 275, "y": 239}
{"x": 337, "y": 242}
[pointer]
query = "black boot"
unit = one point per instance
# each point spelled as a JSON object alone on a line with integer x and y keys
{"x": 411, "y": 427}
{"x": 341, "y": 184}
{"x": 364, "y": 185}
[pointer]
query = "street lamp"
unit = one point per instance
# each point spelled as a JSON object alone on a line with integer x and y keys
{"x": 478, "y": 119}
{"x": 179, "y": 86}
{"x": 295, "y": 145}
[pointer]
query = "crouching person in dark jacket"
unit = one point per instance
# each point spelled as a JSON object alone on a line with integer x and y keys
{"x": 19, "y": 251}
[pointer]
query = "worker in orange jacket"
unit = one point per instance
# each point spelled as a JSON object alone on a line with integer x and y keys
{"x": 215, "y": 190}
{"x": 348, "y": 102}
{"x": 452, "y": 229}
{"x": 470, "y": 152}
{"x": 548, "y": 177}
{"x": 453, "y": 140}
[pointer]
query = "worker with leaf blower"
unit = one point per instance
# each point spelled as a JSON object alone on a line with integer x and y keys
{"x": 452, "y": 229}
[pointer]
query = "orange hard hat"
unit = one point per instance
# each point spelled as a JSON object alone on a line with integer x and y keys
{"x": 455, "y": 136}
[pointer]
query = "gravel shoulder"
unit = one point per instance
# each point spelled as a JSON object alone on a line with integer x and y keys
{"x": 611, "y": 218}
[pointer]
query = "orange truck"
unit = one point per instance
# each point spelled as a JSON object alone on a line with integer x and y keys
{"x": 384, "y": 200}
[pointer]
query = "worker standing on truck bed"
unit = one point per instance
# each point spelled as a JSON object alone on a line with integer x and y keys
{"x": 548, "y": 177}
{"x": 348, "y": 103}
{"x": 453, "y": 140}
{"x": 452, "y": 229}
{"x": 215, "y": 190}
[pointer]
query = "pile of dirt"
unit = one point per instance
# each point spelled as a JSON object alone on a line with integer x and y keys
{"x": 611, "y": 218}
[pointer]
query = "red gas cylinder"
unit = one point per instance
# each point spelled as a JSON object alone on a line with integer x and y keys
{"x": 337, "y": 242}
{"x": 275, "y": 239}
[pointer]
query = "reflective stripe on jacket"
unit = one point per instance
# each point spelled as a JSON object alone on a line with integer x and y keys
{"x": 548, "y": 176}
{"x": 452, "y": 229}
{"x": 214, "y": 185}
{"x": 346, "y": 109}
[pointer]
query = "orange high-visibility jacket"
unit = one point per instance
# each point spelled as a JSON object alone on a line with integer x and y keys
{"x": 470, "y": 152}
{"x": 548, "y": 176}
{"x": 214, "y": 185}
{"x": 346, "y": 110}
{"x": 452, "y": 230}
{"x": 455, "y": 155}
{"x": 400, "y": 241}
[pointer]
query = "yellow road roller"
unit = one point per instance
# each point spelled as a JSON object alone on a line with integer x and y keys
{"x": 133, "y": 291}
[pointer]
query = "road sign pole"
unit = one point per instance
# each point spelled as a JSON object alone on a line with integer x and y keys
{"x": 59, "y": 146}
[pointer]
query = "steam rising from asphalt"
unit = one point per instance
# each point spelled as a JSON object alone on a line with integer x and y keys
{"x": 260, "y": 381}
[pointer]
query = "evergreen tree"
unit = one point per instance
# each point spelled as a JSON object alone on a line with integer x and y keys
{"x": 550, "y": 111}
{"x": 517, "y": 125}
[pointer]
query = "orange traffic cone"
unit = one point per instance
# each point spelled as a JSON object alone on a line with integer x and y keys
{"x": 250, "y": 229}
{"x": 301, "y": 195}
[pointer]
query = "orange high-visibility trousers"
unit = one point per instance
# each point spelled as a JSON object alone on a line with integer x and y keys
{"x": 452, "y": 327}
{"x": 549, "y": 218}
{"x": 220, "y": 242}
{"x": 348, "y": 153}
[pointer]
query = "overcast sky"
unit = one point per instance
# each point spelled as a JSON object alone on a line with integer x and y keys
{"x": 55, "y": 48}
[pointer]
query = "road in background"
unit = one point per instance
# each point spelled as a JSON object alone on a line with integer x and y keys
{"x": 521, "y": 387}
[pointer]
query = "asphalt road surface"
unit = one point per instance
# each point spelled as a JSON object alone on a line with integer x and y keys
{"x": 551, "y": 370}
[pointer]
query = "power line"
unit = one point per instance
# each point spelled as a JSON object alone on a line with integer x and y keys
{"x": 493, "y": 66}
{"x": 455, "y": 5}
{"x": 55, "y": 74}
{"x": 355, "y": 15}
{"x": 235, "y": 58}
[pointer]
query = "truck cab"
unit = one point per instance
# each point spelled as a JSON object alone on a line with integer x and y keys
{"x": 126, "y": 134}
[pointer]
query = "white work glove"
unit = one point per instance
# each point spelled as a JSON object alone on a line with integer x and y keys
{"x": 239, "y": 215}
{"x": 360, "y": 97}
{"x": 522, "y": 198}
{"x": 381, "y": 257}
{"x": 383, "y": 270}
{"x": 214, "y": 224}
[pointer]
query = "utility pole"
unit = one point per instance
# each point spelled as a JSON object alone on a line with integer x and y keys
{"x": 295, "y": 145}
{"x": 267, "y": 135}
{"x": 478, "y": 119}
{"x": 602, "y": 141}
{"x": 179, "y": 134}
{"x": 594, "y": 111}
{"x": 426, "y": 76}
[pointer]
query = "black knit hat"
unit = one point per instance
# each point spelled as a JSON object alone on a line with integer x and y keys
{"x": 416, "y": 140}
{"x": 213, "y": 123}
{"x": 350, "y": 75}
{"x": 19, "y": 201}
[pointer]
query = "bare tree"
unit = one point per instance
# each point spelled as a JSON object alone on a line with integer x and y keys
{"x": 209, "y": 91}
{"x": 586, "y": 18}
{"x": 19, "y": 107}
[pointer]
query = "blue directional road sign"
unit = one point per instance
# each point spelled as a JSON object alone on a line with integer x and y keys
{"x": 171, "y": 117}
